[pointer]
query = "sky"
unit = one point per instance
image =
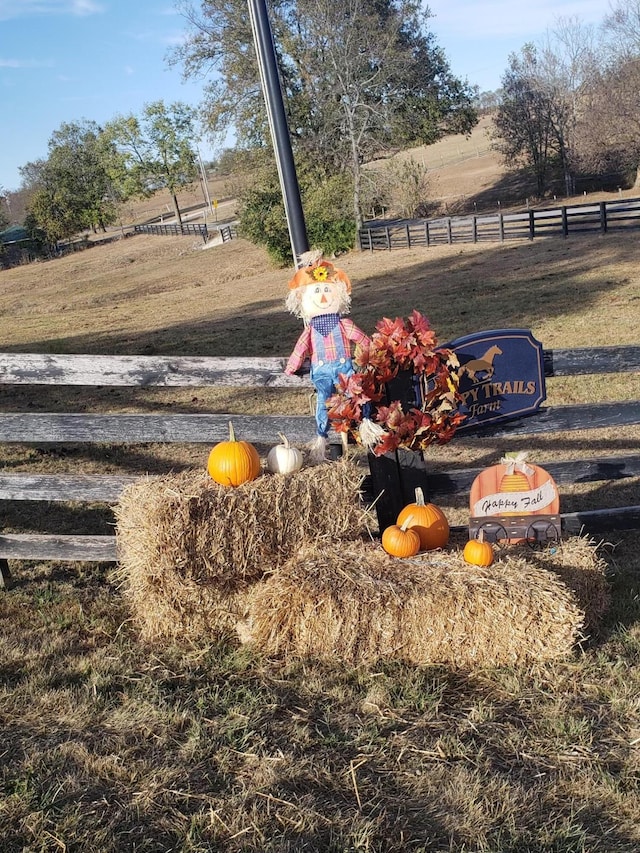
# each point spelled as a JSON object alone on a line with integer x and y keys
{"x": 74, "y": 60}
{"x": 478, "y": 37}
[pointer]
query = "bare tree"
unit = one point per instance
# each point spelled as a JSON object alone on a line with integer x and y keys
{"x": 554, "y": 82}
{"x": 567, "y": 71}
{"x": 621, "y": 28}
{"x": 609, "y": 126}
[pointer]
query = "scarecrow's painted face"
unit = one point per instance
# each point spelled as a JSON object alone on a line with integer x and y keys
{"x": 322, "y": 297}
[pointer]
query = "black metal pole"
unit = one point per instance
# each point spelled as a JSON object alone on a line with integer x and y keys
{"x": 265, "y": 50}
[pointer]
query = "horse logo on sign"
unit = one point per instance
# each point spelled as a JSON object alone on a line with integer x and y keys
{"x": 482, "y": 365}
{"x": 501, "y": 375}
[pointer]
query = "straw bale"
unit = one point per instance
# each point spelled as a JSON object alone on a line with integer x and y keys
{"x": 352, "y": 603}
{"x": 189, "y": 548}
{"x": 578, "y": 563}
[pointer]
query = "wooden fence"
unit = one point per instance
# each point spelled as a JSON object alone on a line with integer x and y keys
{"x": 19, "y": 369}
{"x": 592, "y": 218}
{"x": 173, "y": 229}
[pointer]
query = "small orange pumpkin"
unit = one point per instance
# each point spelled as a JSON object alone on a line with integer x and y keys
{"x": 233, "y": 462}
{"x": 477, "y": 552}
{"x": 401, "y": 540}
{"x": 428, "y": 520}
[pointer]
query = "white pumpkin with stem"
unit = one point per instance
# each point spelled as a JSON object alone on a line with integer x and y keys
{"x": 283, "y": 458}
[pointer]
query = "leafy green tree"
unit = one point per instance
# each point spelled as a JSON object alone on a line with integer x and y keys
{"x": 52, "y": 211}
{"x": 326, "y": 201}
{"x": 358, "y": 76}
{"x": 154, "y": 151}
{"x": 78, "y": 159}
{"x": 71, "y": 190}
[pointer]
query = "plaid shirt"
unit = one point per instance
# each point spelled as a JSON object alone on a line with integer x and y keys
{"x": 304, "y": 346}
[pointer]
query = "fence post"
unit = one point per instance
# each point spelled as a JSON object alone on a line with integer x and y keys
{"x": 532, "y": 226}
{"x": 406, "y": 228}
{"x": 474, "y": 226}
{"x": 501, "y": 226}
{"x": 388, "y": 236}
{"x": 603, "y": 217}
{"x": 449, "y": 232}
{"x": 565, "y": 222}
{"x": 426, "y": 232}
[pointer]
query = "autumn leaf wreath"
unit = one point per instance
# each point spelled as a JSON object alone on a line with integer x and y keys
{"x": 362, "y": 406}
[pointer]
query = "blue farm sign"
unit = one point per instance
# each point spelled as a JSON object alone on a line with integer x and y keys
{"x": 501, "y": 375}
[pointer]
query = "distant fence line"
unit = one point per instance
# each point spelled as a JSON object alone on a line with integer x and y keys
{"x": 595, "y": 218}
{"x": 227, "y": 232}
{"x": 185, "y": 229}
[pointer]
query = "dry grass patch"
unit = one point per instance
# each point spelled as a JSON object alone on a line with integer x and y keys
{"x": 112, "y": 744}
{"x": 162, "y": 295}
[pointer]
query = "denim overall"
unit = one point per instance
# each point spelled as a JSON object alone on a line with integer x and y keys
{"x": 324, "y": 374}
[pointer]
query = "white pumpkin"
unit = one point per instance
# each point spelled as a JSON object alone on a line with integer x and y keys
{"x": 283, "y": 458}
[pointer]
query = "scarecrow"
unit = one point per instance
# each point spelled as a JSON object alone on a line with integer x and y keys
{"x": 320, "y": 294}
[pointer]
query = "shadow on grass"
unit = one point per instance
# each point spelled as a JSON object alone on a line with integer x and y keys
{"x": 505, "y": 285}
{"x": 249, "y": 759}
{"x": 511, "y": 189}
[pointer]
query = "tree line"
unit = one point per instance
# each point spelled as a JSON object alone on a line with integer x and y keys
{"x": 361, "y": 80}
{"x": 90, "y": 171}
{"x": 569, "y": 106}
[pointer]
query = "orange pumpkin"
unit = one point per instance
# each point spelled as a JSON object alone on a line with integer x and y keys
{"x": 477, "y": 552}
{"x": 428, "y": 520}
{"x": 233, "y": 462}
{"x": 401, "y": 541}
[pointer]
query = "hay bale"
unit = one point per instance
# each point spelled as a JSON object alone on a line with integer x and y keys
{"x": 188, "y": 548}
{"x": 352, "y": 603}
{"x": 579, "y": 565}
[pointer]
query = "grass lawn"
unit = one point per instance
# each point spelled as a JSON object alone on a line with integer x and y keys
{"x": 112, "y": 745}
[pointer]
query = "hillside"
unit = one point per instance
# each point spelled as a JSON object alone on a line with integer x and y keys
{"x": 468, "y": 175}
{"x": 465, "y": 175}
{"x": 461, "y": 169}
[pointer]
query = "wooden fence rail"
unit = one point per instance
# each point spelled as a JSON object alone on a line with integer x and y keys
{"x": 595, "y": 218}
{"x": 163, "y": 426}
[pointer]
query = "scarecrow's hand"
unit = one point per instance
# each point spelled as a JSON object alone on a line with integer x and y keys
{"x": 296, "y": 366}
